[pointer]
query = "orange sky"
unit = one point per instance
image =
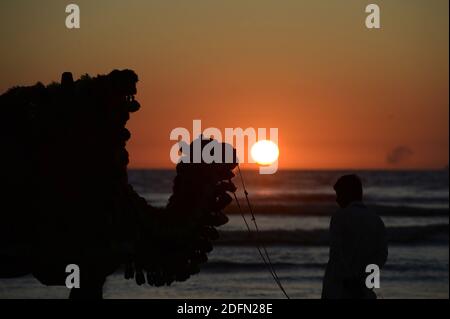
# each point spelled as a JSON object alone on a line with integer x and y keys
{"x": 341, "y": 96}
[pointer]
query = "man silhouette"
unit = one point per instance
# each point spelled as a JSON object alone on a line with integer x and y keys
{"x": 357, "y": 239}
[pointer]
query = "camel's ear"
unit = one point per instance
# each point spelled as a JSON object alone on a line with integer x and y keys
{"x": 66, "y": 79}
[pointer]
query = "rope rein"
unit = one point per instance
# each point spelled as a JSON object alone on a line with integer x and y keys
{"x": 263, "y": 253}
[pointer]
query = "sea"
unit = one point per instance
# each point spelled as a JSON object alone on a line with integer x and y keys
{"x": 292, "y": 211}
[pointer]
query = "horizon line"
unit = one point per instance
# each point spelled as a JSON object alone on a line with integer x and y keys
{"x": 313, "y": 169}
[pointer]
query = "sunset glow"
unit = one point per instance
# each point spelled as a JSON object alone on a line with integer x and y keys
{"x": 345, "y": 96}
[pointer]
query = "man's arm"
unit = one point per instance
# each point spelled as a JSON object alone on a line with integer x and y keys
{"x": 382, "y": 244}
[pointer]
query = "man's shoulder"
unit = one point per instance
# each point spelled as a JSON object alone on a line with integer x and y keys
{"x": 363, "y": 214}
{"x": 357, "y": 210}
{"x": 351, "y": 209}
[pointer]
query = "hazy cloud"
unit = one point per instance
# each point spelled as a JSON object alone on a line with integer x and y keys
{"x": 399, "y": 154}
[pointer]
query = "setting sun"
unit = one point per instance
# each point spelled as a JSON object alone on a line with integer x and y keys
{"x": 265, "y": 152}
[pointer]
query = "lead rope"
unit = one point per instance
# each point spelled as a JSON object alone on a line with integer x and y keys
{"x": 250, "y": 232}
{"x": 264, "y": 256}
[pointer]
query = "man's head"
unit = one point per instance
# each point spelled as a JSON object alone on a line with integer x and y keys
{"x": 348, "y": 189}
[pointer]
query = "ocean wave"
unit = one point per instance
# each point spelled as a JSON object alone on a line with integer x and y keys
{"x": 433, "y": 234}
{"x": 296, "y": 188}
{"x": 231, "y": 265}
{"x": 327, "y": 209}
{"x": 225, "y": 265}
